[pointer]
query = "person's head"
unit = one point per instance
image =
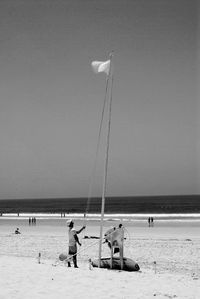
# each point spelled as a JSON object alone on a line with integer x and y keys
{"x": 70, "y": 223}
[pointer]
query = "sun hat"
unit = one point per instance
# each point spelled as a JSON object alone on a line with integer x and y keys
{"x": 69, "y": 222}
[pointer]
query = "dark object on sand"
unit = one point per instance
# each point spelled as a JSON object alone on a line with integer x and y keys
{"x": 128, "y": 264}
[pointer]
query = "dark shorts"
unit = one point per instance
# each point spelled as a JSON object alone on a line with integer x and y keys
{"x": 72, "y": 250}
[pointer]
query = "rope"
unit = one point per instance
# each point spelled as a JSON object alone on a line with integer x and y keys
{"x": 106, "y": 159}
{"x": 99, "y": 135}
{"x": 68, "y": 258}
{"x": 96, "y": 155}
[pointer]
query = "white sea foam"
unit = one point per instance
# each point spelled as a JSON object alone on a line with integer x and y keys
{"x": 107, "y": 216}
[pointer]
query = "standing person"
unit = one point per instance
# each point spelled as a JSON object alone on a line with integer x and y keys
{"x": 73, "y": 240}
{"x": 149, "y": 221}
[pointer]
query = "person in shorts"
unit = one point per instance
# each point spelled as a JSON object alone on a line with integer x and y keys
{"x": 73, "y": 241}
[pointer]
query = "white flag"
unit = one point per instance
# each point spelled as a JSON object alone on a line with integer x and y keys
{"x": 101, "y": 66}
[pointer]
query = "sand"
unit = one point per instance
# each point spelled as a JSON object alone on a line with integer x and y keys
{"x": 168, "y": 258}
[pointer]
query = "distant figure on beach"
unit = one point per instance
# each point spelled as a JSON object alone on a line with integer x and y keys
{"x": 17, "y": 231}
{"x": 150, "y": 221}
{"x": 73, "y": 240}
{"x": 33, "y": 221}
{"x": 29, "y": 221}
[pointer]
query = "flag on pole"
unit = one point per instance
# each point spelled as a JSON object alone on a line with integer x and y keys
{"x": 101, "y": 66}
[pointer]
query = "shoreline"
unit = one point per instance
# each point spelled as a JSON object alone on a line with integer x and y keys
{"x": 107, "y": 216}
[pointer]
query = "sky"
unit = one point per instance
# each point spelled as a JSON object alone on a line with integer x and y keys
{"x": 51, "y": 100}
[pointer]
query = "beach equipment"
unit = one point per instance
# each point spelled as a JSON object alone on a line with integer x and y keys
{"x": 115, "y": 238}
{"x": 63, "y": 257}
{"x": 115, "y": 264}
{"x": 90, "y": 264}
{"x": 101, "y": 66}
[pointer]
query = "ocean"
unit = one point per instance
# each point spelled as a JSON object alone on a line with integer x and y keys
{"x": 181, "y": 212}
{"x": 182, "y": 204}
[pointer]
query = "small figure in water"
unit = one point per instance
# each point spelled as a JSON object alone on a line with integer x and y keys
{"x": 149, "y": 221}
{"x": 17, "y": 231}
{"x": 73, "y": 240}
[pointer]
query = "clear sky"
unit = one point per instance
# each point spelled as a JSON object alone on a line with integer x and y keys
{"x": 51, "y": 101}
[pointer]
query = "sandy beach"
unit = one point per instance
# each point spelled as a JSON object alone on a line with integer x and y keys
{"x": 168, "y": 256}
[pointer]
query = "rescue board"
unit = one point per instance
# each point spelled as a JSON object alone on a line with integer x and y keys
{"x": 128, "y": 265}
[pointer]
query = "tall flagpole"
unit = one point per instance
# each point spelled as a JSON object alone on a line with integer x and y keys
{"x": 97, "y": 150}
{"x": 110, "y": 77}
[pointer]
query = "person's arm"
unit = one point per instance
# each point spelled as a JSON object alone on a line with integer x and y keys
{"x": 76, "y": 239}
{"x": 80, "y": 230}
